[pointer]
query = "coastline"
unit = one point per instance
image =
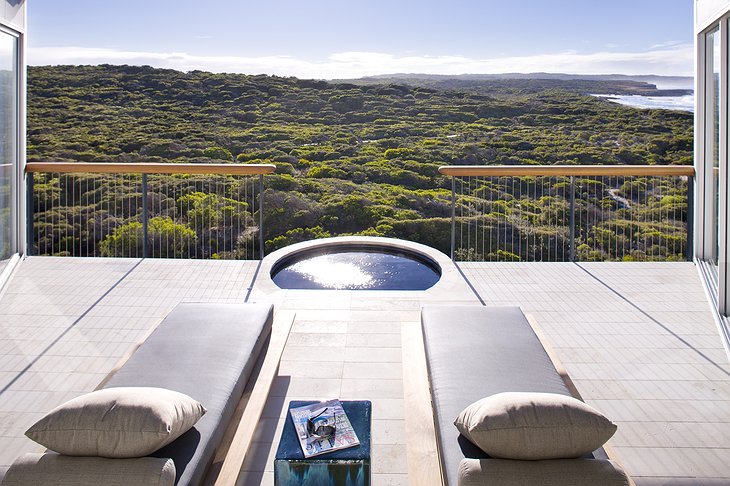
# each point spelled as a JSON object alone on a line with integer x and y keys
{"x": 677, "y": 103}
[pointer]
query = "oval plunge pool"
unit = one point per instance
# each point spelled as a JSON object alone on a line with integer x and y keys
{"x": 356, "y": 267}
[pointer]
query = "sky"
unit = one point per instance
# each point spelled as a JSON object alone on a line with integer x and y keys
{"x": 329, "y": 39}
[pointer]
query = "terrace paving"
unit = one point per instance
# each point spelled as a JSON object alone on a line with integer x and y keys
{"x": 638, "y": 339}
{"x": 640, "y": 342}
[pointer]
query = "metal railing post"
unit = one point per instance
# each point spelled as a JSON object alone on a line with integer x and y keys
{"x": 689, "y": 251}
{"x": 145, "y": 219}
{"x": 453, "y": 216}
{"x": 261, "y": 216}
{"x": 572, "y": 218}
{"x": 29, "y": 207}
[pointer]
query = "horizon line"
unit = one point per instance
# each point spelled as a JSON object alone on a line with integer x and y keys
{"x": 676, "y": 61}
{"x": 380, "y": 75}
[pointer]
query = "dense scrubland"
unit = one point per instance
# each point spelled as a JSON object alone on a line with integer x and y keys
{"x": 352, "y": 157}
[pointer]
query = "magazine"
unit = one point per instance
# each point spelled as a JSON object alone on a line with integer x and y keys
{"x": 314, "y": 426}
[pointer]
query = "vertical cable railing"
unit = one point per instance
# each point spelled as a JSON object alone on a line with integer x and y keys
{"x": 146, "y": 210}
{"x": 571, "y": 213}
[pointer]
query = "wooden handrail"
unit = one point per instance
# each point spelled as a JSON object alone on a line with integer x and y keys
{"x": 567, "y": 170}
{"x": 150, "y": 168}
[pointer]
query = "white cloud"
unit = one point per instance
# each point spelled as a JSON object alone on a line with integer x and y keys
{"x": 670, "y": 43}
{"x": 674, "y": 59}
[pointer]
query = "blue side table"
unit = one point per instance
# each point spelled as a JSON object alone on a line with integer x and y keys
{"x": 345, "y": 467}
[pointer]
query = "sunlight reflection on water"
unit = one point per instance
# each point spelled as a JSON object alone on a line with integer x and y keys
{"x": 326, "y": 272}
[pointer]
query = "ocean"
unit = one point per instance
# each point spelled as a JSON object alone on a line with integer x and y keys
{"x": 682, "y": 103}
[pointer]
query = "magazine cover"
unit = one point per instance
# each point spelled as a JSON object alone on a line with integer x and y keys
{"x": 323, "y": 427}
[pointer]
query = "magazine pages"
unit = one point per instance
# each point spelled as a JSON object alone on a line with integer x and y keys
{"x": 313, "y": 424}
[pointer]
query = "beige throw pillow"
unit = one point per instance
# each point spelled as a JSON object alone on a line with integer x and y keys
{"x": 534, "y": 426}
{"x": 117, "y": 422}
{"x": 50, "y": 468}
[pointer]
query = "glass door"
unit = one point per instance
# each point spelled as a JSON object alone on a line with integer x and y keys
{"x": 9, "y": 96}
{"x": 712, "y": 144}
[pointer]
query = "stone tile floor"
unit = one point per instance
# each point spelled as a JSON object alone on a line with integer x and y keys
{"x": 640, "y": 342}
{"x": 65, "y": 323}
{"x": 638, "y": 338}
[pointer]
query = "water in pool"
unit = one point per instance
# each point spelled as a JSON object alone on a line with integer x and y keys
{"x": 357, "y": 270}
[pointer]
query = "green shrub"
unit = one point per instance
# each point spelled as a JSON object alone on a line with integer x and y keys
{"x": 166, "y": 239}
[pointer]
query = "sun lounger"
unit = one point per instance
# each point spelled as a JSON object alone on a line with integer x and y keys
{"x": 206, "y": 351}
{"x": 473, "y": 352}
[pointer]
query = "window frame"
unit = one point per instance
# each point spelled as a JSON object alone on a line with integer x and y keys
{"x": 18, "y": 209}
{"x": 711, "y": 236}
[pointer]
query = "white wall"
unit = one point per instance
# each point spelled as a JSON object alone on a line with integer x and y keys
{"x": 12, "y": 14}
{"x": 708, "y": 11}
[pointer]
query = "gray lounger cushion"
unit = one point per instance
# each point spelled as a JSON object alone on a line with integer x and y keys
{"x": 473, "y": 352}
{"x": 206, "y": 351}
{"x": 553, "y": 472}
{"x": 34, "y": 469}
